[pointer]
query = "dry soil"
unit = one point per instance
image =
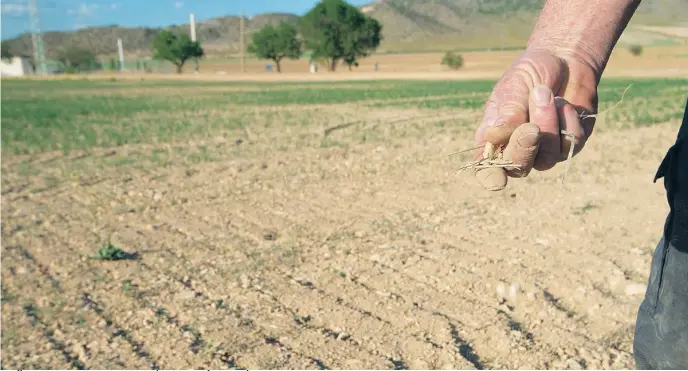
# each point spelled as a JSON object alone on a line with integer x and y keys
{"x": 373, "y": 255}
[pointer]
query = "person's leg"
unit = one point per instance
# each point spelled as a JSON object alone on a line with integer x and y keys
{"x": 661, "y": 334}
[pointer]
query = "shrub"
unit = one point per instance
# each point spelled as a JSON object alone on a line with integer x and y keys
{"x": 76, "y": 59}
{"x": 453, "y": 61}
{"x": 635, "y": 50}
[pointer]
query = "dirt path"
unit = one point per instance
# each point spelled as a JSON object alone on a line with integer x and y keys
{"x": 369, "y": 256}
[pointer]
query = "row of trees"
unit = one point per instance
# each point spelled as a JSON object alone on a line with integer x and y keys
{"x": 333, "y": 30}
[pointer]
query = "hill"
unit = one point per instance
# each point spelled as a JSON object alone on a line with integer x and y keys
{"x": 408, "y": 25}
{"x": 482, "y": 24}
{"x": 220, "y": 33}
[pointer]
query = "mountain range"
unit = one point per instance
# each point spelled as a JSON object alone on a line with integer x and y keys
{"x": 408, "y": 25}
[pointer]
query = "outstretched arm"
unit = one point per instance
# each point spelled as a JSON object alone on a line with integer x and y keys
{"x": 584, "y": 29}
{"x": 550, "y": 85}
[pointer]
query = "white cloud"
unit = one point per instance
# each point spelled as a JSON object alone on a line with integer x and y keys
{"x": 14, "y": 9}
{"x": 178, "y": 4}
{"x": 114, "y": 6}
{"x": 84, "y": 10}
{"x": 79, "y": 26}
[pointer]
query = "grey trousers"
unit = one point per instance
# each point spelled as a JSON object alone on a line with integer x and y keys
{"x": 661, "y": 332}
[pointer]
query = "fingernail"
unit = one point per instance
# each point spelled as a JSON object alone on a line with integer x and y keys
{"x": 542, "y": 96}
{"x": 496, "y": 123}
{"x": 527, "y": 141}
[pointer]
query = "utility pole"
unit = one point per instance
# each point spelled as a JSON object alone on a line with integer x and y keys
{"x": 120, "y": 51}
{"x": 243, "y": 67}
{"x": 37, "y": 38}
{"x": 192, "y": 24}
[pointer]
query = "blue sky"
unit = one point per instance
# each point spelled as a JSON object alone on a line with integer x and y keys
{"x": 67, "y": 15}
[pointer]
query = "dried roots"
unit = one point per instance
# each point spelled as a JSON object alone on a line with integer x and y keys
{"x": 493, "y": 157}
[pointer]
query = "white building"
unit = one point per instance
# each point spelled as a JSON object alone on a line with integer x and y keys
{"x": 18, "y": 66}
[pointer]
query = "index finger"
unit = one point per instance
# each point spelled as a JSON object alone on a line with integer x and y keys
{"x": 512, "y": 95}
{"x": 489, "y": 116}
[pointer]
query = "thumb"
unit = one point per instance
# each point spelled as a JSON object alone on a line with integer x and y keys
{"x": 492, "y": 179}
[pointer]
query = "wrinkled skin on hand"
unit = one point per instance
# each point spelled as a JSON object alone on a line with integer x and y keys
{"x": 541, "y": 94}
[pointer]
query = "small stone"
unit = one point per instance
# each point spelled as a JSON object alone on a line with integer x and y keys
{"x": 513, "y": 290}
{"x": 635, "y": 289}
{"x": 500, "y": 290}
{"x": 574, "y": 365}
{"x": 343, "y": 336}
{"x": 157, "y": 197}
{"x": 245, "y": 282}
{"x": 542, "y": 241}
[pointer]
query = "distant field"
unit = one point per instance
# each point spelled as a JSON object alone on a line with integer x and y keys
{"x": 69, "y": 115}
{"x": 658, "y": 58}
{"x": 225, "y": 225}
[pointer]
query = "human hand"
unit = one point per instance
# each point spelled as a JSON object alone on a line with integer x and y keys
{"x": 541, "y": 94}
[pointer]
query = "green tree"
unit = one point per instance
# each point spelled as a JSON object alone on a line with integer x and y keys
{"x": 6, "y": 52}
{"x": 176, "y": 48}
{"x": 337, "y": 31}
{"x": 276, "y": 43}
{"x": 75, "y": 59}
{"x": 453, "y": 61}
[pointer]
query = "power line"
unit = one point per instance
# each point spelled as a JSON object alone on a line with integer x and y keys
{"x": 37, "y": 37}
